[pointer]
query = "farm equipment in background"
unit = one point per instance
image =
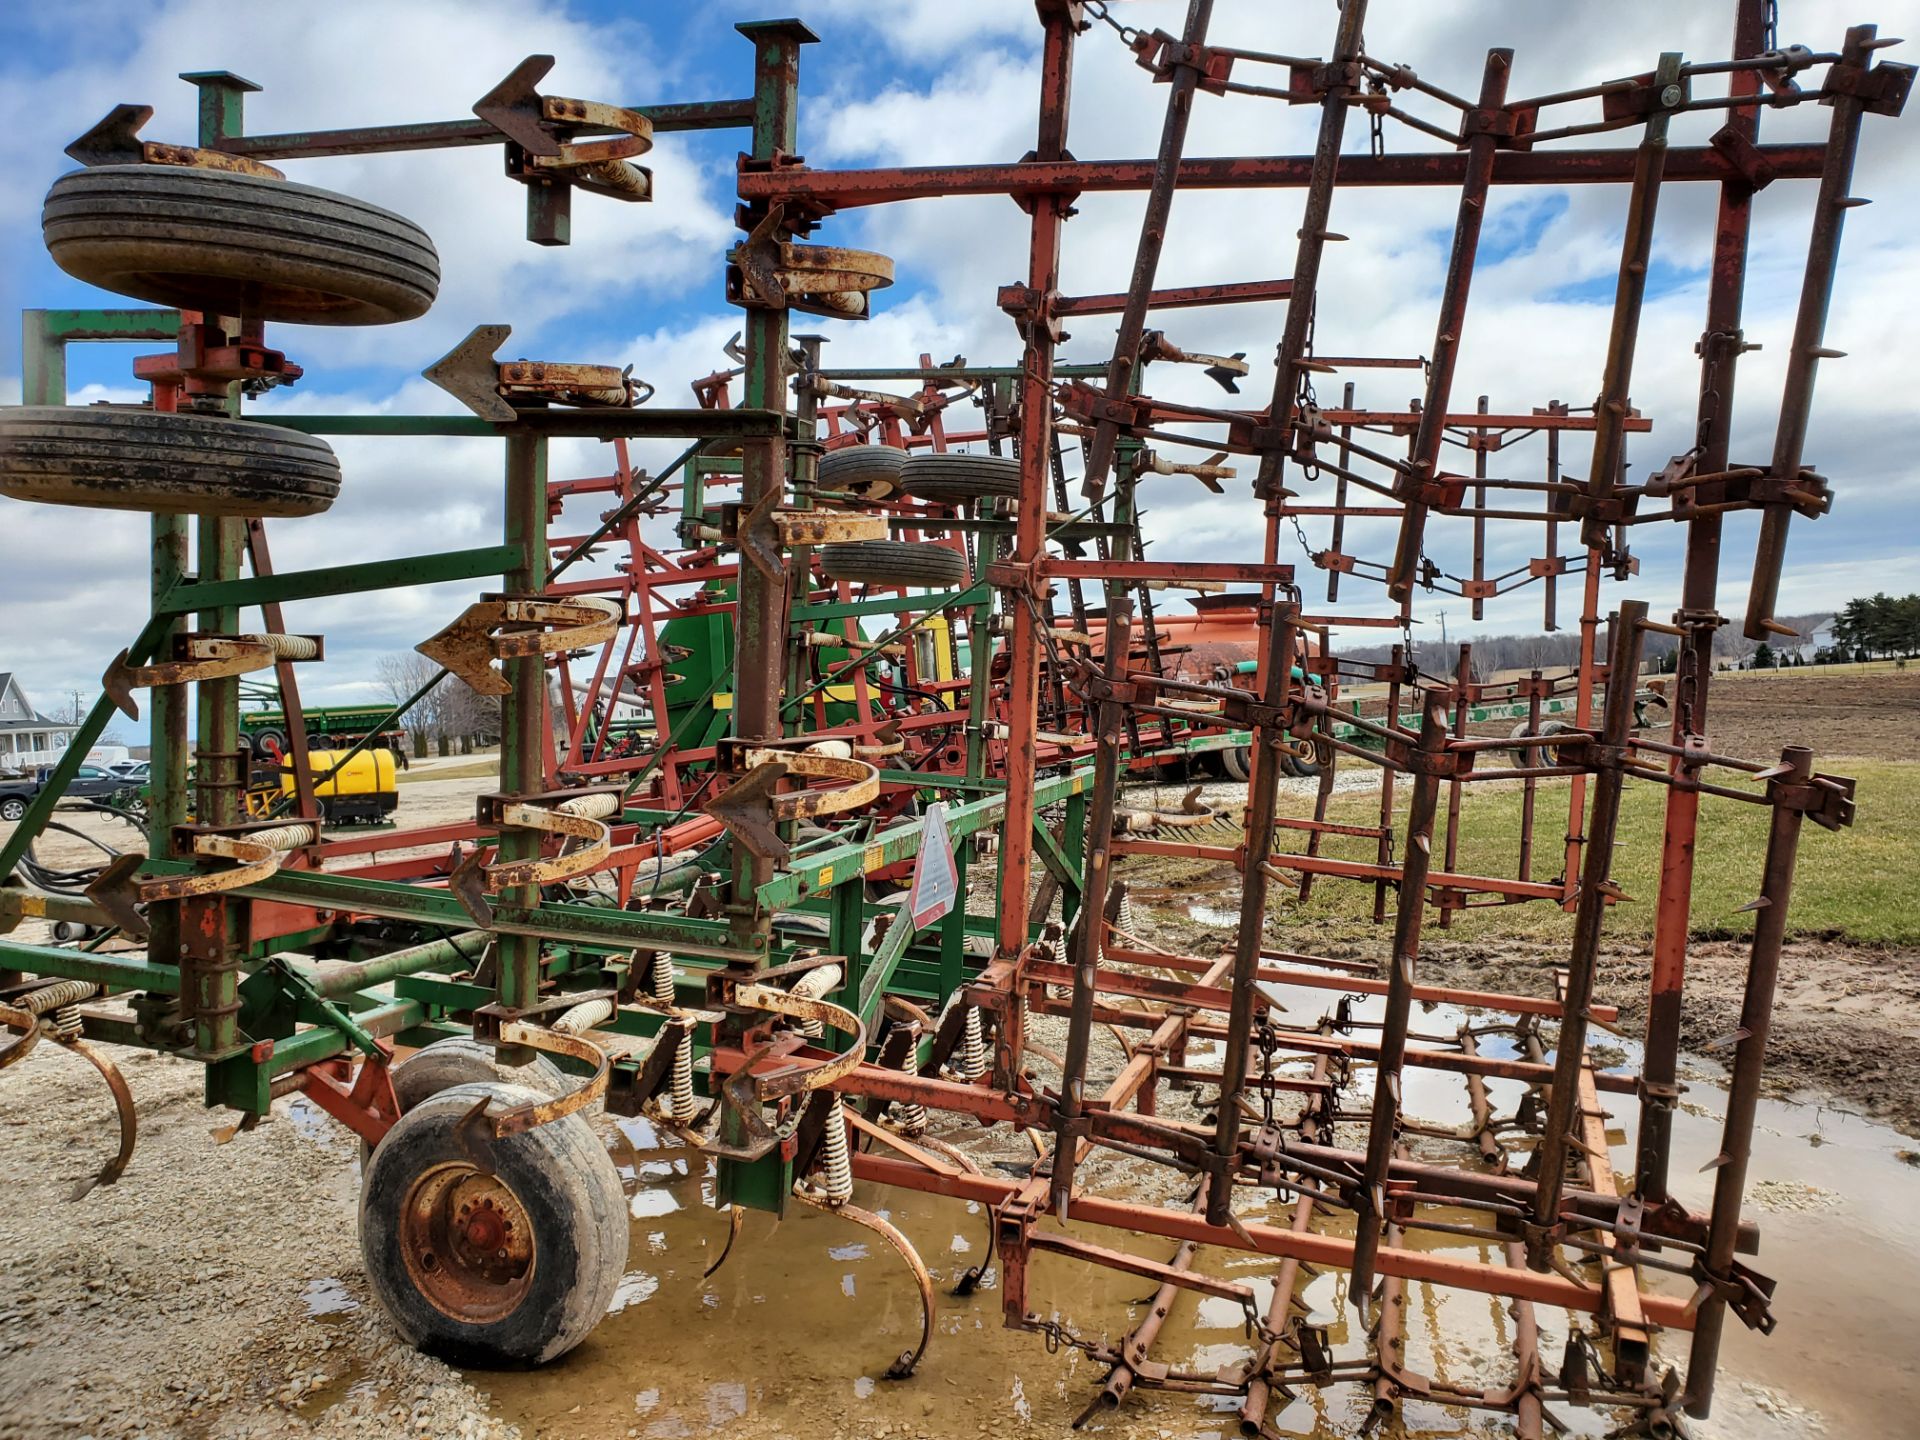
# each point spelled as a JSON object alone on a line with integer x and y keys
{"x": 723, "y": 890}
{"x": 264, "y": 724}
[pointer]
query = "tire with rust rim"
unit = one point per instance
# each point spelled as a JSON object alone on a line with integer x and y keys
{"x": 954, "y": 479}
{"x": 869, "y": 471}
{"x": 239, "y": 245}
{"x": 1310, "y": 766}
{"x": 126, "y": 458}
{"x": 1528, "y": 757}
{"x": 492, "y": 1253}
{"x": 894, "y": 562}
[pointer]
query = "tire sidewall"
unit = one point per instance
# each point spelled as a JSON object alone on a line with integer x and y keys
{"x": 570, "y": 1270}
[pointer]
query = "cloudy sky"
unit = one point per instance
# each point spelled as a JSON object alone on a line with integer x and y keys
{"x": 929, "y": 82}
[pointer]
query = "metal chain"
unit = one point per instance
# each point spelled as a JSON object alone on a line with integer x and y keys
{"x": 1128, "y": 33}
{"x": 1771, "y": 34}
{"x": 1377, "y": 119}
{"x": 1300, "y": 534}
{"x": 1056, "y": 1334}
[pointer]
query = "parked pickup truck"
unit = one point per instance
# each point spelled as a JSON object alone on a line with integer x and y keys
{"x": 90, "y": 782}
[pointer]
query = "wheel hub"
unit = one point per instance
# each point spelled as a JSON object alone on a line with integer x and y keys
{"x": 467, "y": 1243}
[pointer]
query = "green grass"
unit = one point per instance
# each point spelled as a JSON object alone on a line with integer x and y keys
{"x": 1861, "y": 884}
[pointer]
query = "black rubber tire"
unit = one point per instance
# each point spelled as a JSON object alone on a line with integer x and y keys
{"x": 462, "y": 1060}
{"x": 953, "y": 479}
{"x": 13, "y": 808}
{"x": 239, "y": 245}
{"x": 1528, "y": 757}
{"x": 124, "y": 458}
{"x": 1237, "y": 762}
{"x": 894, "y": 562}
{"x": 259, "y": 738}
{"x": 1309, "y": 768}
{"x": 862, "y": 470}
{"x": 569, "y": 1193}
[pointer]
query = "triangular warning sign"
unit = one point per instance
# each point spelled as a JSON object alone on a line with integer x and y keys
{"x": 936, "y": 880}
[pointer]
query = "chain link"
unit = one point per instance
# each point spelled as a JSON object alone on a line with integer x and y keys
{"x": 1300, "y": 534}
{"x": 1128, "y": 33}
{"x": 1771, "y": 40}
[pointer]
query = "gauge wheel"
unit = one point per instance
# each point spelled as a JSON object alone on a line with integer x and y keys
{"x": 893, "y": 562}
{"x": 1529, "y": 757}
{"x": 871, "y": 472}
{"x": 954, "y": 479}
{"x": 495, "y": 1253}
{"x": 124, "y": 458}
{"x": 462, "y": 1060}
{"x": 232, "y": 244}
{"x": 1308, "y": 767}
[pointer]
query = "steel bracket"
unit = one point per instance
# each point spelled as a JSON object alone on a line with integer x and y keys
{"x": 1882, "y": 89}
{"x": 115, "y": 140}
{"x": 1161, "y": 54}
{"x": 1827, "y": 800}
{"x": 469, "y": 646}
{"x": 498, "y": 391}
{"x": 199, "y": 656}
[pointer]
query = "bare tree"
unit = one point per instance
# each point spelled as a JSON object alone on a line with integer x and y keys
{"x": 401, "y": 675}
{"x": 451, "y": 714}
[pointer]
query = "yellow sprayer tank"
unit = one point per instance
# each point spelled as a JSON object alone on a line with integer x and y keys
{"x": 362, "y": 791}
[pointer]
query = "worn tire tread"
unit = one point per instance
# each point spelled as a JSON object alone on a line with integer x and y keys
{"x": 127, "y": 458}
{"x": 240, "y": 245}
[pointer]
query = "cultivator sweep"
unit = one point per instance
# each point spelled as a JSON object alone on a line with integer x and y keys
{"x": 828, "y": 868}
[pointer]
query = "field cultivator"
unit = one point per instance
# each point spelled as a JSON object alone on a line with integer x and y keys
{"x": 805, "y": 835}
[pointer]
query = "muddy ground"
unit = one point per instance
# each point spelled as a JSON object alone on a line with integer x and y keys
{"x": 1846, "y": 1018}
{"x": 217, "y": 1292}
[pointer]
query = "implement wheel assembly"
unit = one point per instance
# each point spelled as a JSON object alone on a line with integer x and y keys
{"x": 113, "y": 458}
{"x": 462, "y": 1060}
{"x": 893, "y": 562}
{"x": 1527, "y": 757}
{"x": 870, "y": 471}
{"x": 954, "y": 479}
{"x": 232, "y": 244}
{"x": 493, "y": 1253}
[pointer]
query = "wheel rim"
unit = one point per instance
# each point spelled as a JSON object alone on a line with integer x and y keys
{"x": 467, "y": 1243}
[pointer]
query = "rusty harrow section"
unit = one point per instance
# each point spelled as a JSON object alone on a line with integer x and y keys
{"x": 879, "y": 643}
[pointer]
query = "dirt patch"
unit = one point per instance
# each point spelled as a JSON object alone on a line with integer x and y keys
{"x": 215, "y": 1293}
{"x": 1876, "y": 713}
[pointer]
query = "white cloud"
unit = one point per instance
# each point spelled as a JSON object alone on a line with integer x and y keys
{"x": 935, "y": 82}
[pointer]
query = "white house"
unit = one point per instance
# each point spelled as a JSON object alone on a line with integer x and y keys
{"x": 1810, "y": 645}
{"x": 27, "y": 737}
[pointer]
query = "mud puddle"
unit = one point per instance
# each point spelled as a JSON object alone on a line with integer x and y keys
{"x": 793, "y": 1336}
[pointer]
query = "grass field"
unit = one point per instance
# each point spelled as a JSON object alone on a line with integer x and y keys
{"x": 1861, "y": 884}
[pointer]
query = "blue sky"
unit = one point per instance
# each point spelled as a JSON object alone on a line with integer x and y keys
{"x": 935, "y": 82}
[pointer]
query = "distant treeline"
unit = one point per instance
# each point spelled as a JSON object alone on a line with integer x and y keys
{"x": 1878, "y": 626}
